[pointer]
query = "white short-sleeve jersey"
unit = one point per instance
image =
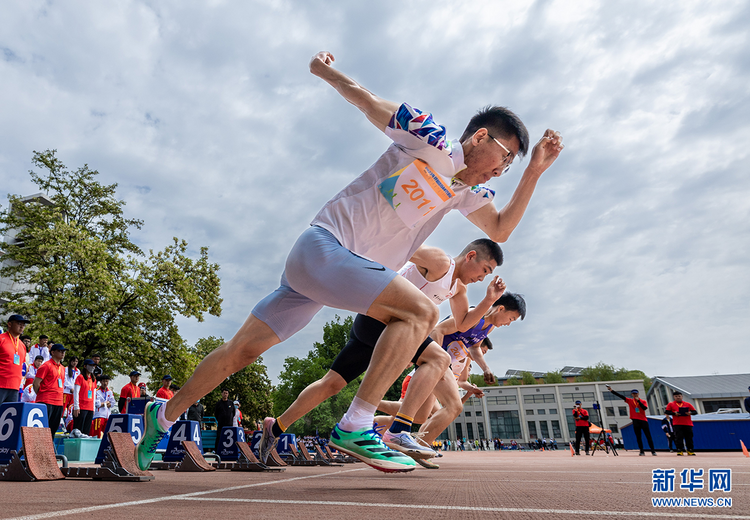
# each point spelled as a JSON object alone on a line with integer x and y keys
{"x": 439, "y": 290}
{"x": 387, "y": 212}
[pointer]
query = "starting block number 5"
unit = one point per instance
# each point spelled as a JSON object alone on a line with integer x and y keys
{"x": 136, "y": 431}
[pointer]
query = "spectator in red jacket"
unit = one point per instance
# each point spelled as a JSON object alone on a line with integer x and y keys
{"x": 164, "y": 392}
{"x": 12, "y": 358}
{"x": 130, "y": 390}
{"x": 83, "y": 398}
{"x": 582, "y": 427}
{"x": 48, "y": 385}
{"x": 638, "y": 409}
{"x": 682, "y": 422}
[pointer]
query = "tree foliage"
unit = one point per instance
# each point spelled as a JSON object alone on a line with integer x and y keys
{"x": 298, "y": 373}
{"x": 554, "y": 376}
{"x": 527, "y": 378}
{"x": 250, "y": 386}
{"x": 513, "y": 381}
{"x": 604, "y": 372}
{"x": 85, "y": 283}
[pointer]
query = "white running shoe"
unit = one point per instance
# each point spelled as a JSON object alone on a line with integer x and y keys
{"x": 406, "y": 444}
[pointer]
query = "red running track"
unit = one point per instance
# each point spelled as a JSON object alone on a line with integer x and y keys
{"x": 512, "y": 485}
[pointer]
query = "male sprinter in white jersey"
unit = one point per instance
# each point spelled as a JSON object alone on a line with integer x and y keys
{"x": 347, "y": 258}
{"x": 441, "y": 278}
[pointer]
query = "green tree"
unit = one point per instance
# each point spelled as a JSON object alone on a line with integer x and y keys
{"x": 250, "y": 386}
{"x": 527, "y": 378}
{"x": 554, "y": 376}
{"x": 298, "y": 373}
{"x": 513, "y": 381}
{"x": 85, "y": 283}
{"x": 603, "y": 372}
{"x": 478, "y": 379}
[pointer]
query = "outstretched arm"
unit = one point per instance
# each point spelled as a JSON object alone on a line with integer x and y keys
{"x": 498, "y": 225}
{"x": 377, "y": 110}
{"x": 466, "y": 318}
{"x": 475, "y": 351}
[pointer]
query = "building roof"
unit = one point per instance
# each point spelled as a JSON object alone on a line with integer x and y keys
{"x": 564, "y": 372}
{"x": 702, "y": 387}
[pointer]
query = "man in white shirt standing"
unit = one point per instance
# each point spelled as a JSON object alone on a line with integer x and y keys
{"x": 348, "y": 257}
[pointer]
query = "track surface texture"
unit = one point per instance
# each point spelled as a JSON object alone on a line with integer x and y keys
{"x": 468, "y": 485}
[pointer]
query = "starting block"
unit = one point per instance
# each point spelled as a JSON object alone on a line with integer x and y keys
{"x": 346, "y": 459}
{"x": 120, "y": 460}
{"x": 300, "y": 456}
{"x": 249, "y": 462}
{"x": 129, "y": 423}
{"x": 13, "y": 417}
{"x": 39, "y": 462}
{"x": 322, "y": 456}
{"x": 193, "y": 459}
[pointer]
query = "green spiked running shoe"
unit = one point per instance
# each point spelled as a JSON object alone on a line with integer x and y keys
{"x": 367, "y": 446}
{"x": 152, "y": 436}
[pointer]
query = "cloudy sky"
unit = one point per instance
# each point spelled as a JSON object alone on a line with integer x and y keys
{"x": 635, "y": 249}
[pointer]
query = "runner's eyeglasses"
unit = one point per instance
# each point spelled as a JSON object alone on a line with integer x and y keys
{"x": 508, "y": 159}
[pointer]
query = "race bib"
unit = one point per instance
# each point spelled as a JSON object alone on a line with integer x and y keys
{"x": 415, "y": 191}
{"x": 16, "y": 359}
{"x": 59, "y": 383}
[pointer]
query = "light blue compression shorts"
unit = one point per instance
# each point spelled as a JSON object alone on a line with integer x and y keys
{"x": 320, "y": 272}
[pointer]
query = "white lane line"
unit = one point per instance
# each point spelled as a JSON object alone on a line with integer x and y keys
{"x": 184, "y": 496}
{"x": 581, "y": 512}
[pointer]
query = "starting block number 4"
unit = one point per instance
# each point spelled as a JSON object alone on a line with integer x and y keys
{"x": 12, "y": 417}
{"x": 182, "y": 431}
{"x": 121, "y": 423}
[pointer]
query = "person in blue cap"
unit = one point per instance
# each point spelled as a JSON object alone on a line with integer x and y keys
{"x": 164, "y": 392}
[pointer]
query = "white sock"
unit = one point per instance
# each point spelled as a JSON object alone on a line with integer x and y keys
{"x": 161, "y": 418}
{"x": 360, "y": 415}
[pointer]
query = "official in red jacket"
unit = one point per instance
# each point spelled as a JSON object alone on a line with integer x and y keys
{"x": 582, "y": 427}
{"x": 638, "y": 409}
{"x": 682, "y": 422}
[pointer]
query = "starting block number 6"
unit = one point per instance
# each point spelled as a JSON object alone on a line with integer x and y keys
{"x": 118, "y": 422}
{"x": 7, "y": 424}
